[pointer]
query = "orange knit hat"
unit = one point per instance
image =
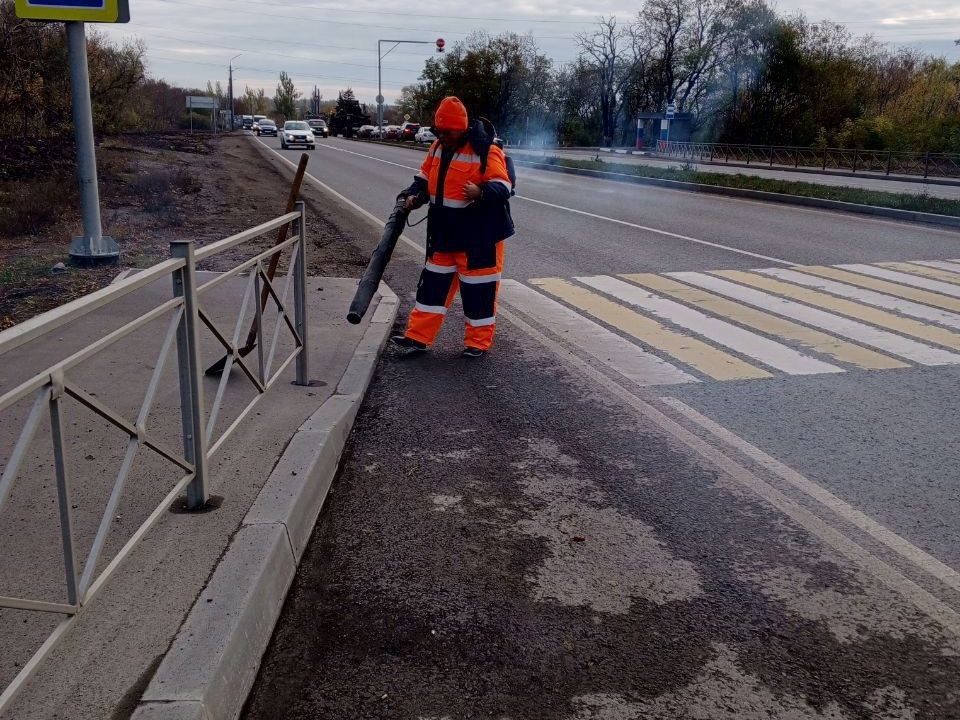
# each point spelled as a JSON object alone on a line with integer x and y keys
{"x": 451, "y": 115}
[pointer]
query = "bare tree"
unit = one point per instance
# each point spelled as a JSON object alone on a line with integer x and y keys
{"x": 611, "y": 51}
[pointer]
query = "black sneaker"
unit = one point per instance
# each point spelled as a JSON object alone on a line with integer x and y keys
{"x": 472, "y": 352}
{"x": 408, "y": 344}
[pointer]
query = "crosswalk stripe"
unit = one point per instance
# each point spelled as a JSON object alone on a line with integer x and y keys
{"x": 742, "y": 341}
{"x": 609, "y": 348}
{"x": 770, "y": 324}
{"x": 904, "y": 347}
{"x": 933, "y": 273}
{"x": 885, "y": 286}
{"x": 943, "y": 264}
{"x": 705, "y": 358}
{"x": 867, "y": 296}
{"x": 882, "y": 318}
{"x": 904, "y": 278}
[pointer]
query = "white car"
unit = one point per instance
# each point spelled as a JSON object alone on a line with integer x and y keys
{"x": 297, "y": 132}
{"x": 424, "y": 135}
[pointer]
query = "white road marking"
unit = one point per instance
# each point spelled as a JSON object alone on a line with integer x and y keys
{"x": 645, "y": 228}
{"x": 904, "y": 278}
{"x": 621, "y": 355}
{"x": 743, "y": 341}
{"x": 870, "y": 297}
{"x": 896, "y": 344}
{"x": 657, "y": 231}
{"x": 926, "y": 562}
{"x": 939, "y": 264}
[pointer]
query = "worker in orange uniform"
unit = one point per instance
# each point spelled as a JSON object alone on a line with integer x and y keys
{"x": 465, "y": 180}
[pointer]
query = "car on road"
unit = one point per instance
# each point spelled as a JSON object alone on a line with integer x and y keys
{"x": 247, "y": 122}
{"x": 319, "y": 127}
{"x": 297, "y": 132}
{"x": 267, "y": 127}
{"x": 408, "y": 131}
{"x": 424, "y": 135}
{"x": 365, "y": 131}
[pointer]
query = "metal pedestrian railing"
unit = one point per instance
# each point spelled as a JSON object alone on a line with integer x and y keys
{"x": 49, "y": 388}
{"x": 885, "y": 162}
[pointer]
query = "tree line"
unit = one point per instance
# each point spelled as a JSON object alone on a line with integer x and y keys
{"x": 745, "y": 73}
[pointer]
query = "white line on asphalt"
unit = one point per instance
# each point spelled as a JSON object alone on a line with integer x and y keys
{"x": 889, "y": 576}
{"x": 904, "y": 278}
{"x": 870, "y": 297}
{"x": 941, "y": 264}
{"x": 890, "y": 342}
{"x": 926, "y": 562}
{"x": 616, "y": 352}
{"x": 645, "y": 228}
{"x": 922, "y": 599}
{"x": 748, "y": 343}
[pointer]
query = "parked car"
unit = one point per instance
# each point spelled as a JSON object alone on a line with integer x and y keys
{"x": 247, "y": 122}
{"x": 267, "y": 127}
{"x": 319, "y": 127}
{"x": 364, "y": 131}
{"x": 297, "y": 132}
{"x": 408, "y": 131}
{"x": 391, "y": 132}
{"x": 424, "y": 135}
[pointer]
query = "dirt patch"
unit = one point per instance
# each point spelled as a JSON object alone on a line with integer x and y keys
{"x": 155, "y": 188}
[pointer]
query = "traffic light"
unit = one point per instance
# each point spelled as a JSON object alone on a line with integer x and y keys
{"x": 440, "y": 44}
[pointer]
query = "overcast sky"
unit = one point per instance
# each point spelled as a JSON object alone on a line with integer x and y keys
{"x": 334, "y": 45}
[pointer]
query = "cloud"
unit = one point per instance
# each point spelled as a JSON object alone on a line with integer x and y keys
{"x": 191, "y": 41}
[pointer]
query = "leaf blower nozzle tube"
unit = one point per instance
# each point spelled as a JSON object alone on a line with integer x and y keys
{"x": 370, "y": 280}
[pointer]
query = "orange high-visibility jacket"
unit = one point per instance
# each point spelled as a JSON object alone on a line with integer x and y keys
{"x": 455, "y": 223}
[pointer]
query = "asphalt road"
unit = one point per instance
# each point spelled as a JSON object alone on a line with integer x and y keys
{"x": 892, "y": 184}
{"x": 692, "y": 492}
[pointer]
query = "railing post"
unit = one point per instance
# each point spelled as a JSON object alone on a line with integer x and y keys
{"x": 190, "y": 373}
{"x": 300, "y": 295}
{"x": 889, "y": 160}
{"x": 926, "y": 164}
{"x": 856, "y": 156}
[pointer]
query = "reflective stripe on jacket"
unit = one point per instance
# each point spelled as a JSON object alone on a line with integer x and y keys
{"x": 455, "y": 223}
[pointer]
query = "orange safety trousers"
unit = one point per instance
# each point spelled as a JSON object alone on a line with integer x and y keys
{"x": 443, "y": 274}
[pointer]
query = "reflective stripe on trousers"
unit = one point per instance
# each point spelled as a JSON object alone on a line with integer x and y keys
{"x": 443, "y": 275}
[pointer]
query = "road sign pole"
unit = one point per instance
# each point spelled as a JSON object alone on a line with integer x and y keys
{"x": 93, "y": 246}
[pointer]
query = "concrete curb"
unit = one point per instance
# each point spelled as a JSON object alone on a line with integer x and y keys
{"x": 212, "y": 663}
{"x": 909, "y": 215}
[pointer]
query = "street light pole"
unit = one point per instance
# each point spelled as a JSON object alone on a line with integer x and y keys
{"x": 380, "y": 57}
{"x": 230, "y": 86}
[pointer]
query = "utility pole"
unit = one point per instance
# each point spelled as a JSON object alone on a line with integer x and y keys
{"x": 230, "y": 92}
{"x": 380, "y": 56}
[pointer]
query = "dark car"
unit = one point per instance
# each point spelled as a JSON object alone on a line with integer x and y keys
{"x": 319, "y": 127}
{"x": 391, "y": 132}
{"x": 267, "y": 127}
{"x": 408, "y": 131}
{"x": 247, "y": 122}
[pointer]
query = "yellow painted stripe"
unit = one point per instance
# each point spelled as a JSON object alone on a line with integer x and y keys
{"x": 770, "y": 324}
{"x": 705, "y": 358}
{"x": 923, "y": 271}
{"x": 927, "y": 297}
{"x": 872, "y": 315}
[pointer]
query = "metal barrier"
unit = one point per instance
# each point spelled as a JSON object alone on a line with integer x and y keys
{"x": 50, "y": 387}
{"x": 886, "y": 162}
